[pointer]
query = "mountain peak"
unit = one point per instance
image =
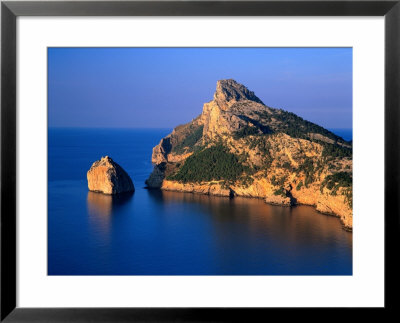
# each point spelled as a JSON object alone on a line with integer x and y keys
{"x": 238, "y": 146}
{"x": 229, "y": 90}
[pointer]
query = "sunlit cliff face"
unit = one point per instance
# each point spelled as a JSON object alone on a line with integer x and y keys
{"x": 284, "y": 159}
{"x": 106, "y": 176}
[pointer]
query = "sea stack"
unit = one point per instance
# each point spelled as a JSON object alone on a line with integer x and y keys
{"x": 106, "y": 176}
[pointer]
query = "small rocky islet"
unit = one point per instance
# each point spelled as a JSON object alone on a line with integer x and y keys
{"x": 238, "y": 146}
{"x": 107, "y": 177}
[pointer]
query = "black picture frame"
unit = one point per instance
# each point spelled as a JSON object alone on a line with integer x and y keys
{"x": 10, "y": 10}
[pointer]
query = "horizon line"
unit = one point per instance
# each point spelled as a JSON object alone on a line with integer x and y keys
{"x": 91, "y": 127}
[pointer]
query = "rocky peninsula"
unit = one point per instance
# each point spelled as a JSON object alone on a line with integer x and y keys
{"x": 238, "y": 146}
{"x": 106, "y": 176}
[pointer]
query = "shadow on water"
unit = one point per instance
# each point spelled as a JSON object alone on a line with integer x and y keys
{"x": 156, "y": 195}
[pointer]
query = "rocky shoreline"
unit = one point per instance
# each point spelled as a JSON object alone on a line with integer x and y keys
{"x": 335, "y": 207}
{"x": 238, "y": 146}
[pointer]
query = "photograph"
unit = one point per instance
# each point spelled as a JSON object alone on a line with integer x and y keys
{"x": 200, "y": 161}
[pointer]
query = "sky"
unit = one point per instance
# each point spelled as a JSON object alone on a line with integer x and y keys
{"x": 165, "y": 87}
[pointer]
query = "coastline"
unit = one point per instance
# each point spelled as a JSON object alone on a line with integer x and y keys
{"x": 238, "y": 146}
{"x": 323, "y": 206}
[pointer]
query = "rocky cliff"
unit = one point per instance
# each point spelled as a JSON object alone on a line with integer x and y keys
{"x": 106, "y": 176}
{"x": 239, "y": 146}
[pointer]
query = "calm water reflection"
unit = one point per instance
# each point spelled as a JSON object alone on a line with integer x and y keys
{"x": 102, "y": 205}
{"x": 166, "y": 233}
{"x": 252, "y": 225}
{"x": 101, "y": 208}
{"x": 156, "y": 232}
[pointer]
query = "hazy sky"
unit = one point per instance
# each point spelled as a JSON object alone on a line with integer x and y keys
{"x": 164, "y": 87}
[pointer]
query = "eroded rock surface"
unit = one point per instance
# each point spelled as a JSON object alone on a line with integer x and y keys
{"x": 106, "y": 176}
{"x": 238, "y": 146}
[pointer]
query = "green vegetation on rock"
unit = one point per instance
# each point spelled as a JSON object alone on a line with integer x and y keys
{"x": 245, "y": 131}
{"x": 299, "y": 186}
{"x": 308, "y": 169}
{"x": 331, "y": 150}
{"x": 213, "y": 163}
{"x": 238, "y": 141}
{"x": 295, "y": 126}
{"x": 341, "y": 179}
{"x": 278, "y": 181}
{"x": 280, "y": 192}
{"x": 189, "y": 141}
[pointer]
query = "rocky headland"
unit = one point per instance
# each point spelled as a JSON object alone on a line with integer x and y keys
{"x": 106, "y": 176}
{"x": 238, "y": 146}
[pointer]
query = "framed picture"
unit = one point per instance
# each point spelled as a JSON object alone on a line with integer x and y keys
{"x": 194, "y": 160}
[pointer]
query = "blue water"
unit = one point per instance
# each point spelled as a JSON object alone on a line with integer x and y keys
{"x": 167, "y": 233}
{"x": 346, "y": 134}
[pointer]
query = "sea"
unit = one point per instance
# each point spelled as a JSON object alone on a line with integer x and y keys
{"x": 153, "y": 232}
